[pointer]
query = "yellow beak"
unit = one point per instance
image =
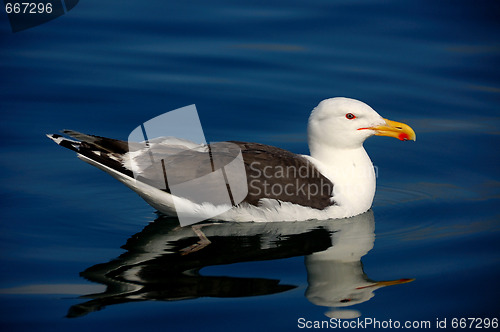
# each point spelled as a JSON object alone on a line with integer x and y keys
{"x": 393, "y": 282}
{"x": 379, "y": 284}
{"x": 395, "y": 129}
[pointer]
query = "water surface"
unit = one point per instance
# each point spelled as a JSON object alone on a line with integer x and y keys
{"x": 254, "y": 71}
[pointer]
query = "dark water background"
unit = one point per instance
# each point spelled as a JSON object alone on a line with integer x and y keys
{"x": 254, "y": 71}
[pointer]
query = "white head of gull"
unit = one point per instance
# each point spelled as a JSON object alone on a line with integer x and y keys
{"x": 336, "y": 131}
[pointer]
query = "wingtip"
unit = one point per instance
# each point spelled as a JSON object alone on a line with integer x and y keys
{"x": 55, "y": 137}
{"x": 64, "y": 142}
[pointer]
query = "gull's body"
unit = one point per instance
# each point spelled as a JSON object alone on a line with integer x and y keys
{"x": 338, "y": 162}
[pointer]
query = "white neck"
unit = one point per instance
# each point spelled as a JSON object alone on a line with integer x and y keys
{"x": 352, "y": 174}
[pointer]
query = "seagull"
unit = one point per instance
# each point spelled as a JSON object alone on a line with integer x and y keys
{"x": 337, "y": 179}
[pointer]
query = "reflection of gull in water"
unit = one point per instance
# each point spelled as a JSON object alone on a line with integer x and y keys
{"x": 155, "y": 266}
{"x": 335, "y": 276}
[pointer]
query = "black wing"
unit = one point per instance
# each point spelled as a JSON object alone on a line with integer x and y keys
{"x": 280, "y": 174}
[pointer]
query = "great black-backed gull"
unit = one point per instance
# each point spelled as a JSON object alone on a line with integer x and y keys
{"x": 337, "y": 179}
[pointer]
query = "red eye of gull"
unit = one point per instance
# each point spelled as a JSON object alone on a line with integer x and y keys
{"x": 350, "y": 116}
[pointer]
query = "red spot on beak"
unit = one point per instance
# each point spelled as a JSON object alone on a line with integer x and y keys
{"x": 403, "y": 137}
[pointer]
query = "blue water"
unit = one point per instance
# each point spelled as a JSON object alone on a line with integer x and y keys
{"x": 254, "y": 71}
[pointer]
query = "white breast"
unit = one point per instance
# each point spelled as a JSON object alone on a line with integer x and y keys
{"x": 352, "y": 174}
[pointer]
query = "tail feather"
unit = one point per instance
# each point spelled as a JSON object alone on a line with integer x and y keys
{"x": 106, "y": 151}
{"x": 108, "y": 155}
{"x": 65, "y": 142}
{"x": 104, "y": 144}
